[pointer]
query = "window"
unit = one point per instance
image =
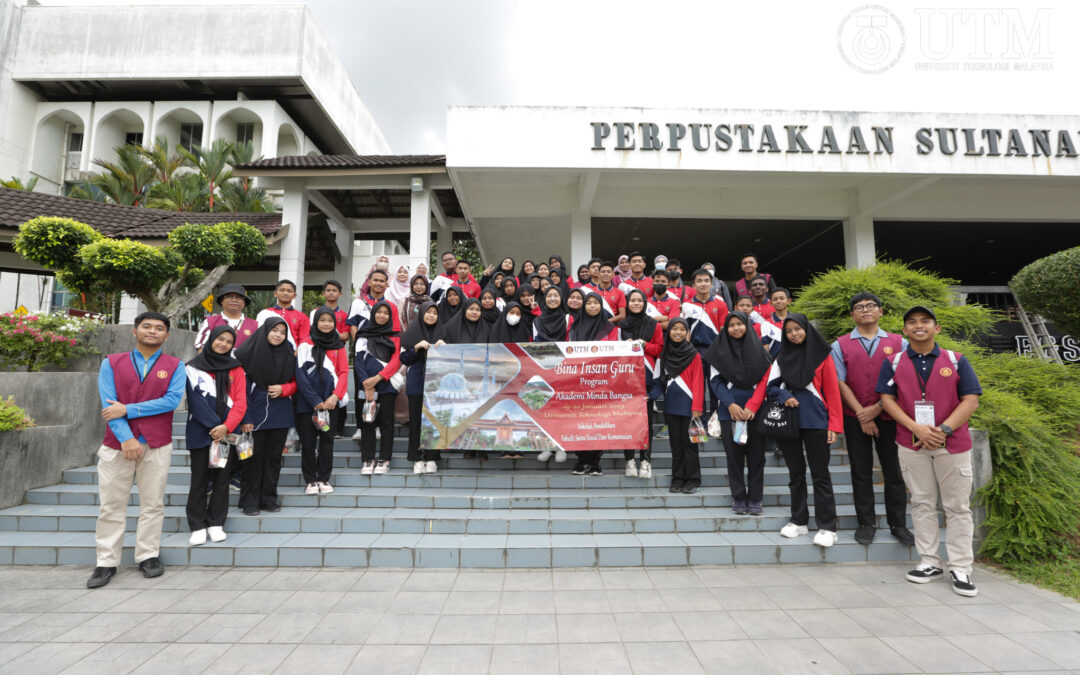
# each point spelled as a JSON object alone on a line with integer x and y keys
{"x": 133, "y": 138}
{"x": 245, "y": 133}
{"x": 190, "y": 136}
{"x": 75, "y": 142}
{"x": 61, "y": 296}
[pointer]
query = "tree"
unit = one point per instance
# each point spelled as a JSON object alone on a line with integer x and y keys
{"x": 170, "y": 279}
{"x": 165, "y": 164}
{"x": 127, "y": 180}
{"x": 1048, "y": 287}
{"x": 186, "y": 192}
{"x": 17, "y": 184}
{"x": 212, "y": 164}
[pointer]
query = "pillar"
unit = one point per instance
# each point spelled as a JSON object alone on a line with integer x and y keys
{"x": 859, "y": 241}
{"x": 420, "y": 227}
{"x": 580, "y": 239}
{"x": 294, "y": 213}
{"x": 129, "y": 309}
{"x": 343, "y": 269}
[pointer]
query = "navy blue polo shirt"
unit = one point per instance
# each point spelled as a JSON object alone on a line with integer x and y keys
{"x": 967, "y": 382}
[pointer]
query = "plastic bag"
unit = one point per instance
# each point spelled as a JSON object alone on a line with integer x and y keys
{"x": 714, "y": 427}
{"x": 740, "y": 432}
{"x": 245, "y": 446}
{"x": 370, "y": 409}
{"x": 219, "y": 454}
{"x": 697, "y": 431}
{"x": 321, "y": 419}
{"x": 291, "y": 440}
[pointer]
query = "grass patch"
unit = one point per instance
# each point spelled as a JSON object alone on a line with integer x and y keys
{"x": 1061, "y": 575}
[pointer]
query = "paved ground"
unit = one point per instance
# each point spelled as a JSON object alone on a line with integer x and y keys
{"x": 842, "y": 618}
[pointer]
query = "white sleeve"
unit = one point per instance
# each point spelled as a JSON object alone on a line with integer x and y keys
{"x": 204, "y": 332}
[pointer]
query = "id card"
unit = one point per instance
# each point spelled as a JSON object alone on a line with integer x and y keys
{"x": 924, "y": 413}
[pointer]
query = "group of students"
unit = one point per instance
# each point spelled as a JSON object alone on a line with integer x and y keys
{"x": 286, "y": 370}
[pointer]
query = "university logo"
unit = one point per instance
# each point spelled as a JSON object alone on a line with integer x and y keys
{"x": 945, "y": 372}
{"x": 636, "y": 347}
{"x": 163, "y": 374}
{"x": 888, "y": 351}
{"x": 594, "y": 349}
{"x": 569, "y": 350}
{"x": 247, "y": 331}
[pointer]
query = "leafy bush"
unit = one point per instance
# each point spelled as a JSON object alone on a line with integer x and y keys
{"x": 126, "y": 265}
{"x": 1049, "y": 287}
{"x": 53, "y": 242}
{"x": 1030, "y": 408}
{"x": 37, "y": 340}
{"x": 12, "y": 417}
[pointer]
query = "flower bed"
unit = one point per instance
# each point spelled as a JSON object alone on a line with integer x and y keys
{"x": 33, "y": 341}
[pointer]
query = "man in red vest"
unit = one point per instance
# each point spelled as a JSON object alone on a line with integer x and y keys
{"x": 858, "y": 357}
{"x": 931, "y": 393}
{"x": 139, "y": 391}
{"x": 233, "y": 299}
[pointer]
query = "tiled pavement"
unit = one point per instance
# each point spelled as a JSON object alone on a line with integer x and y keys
{"x": 836, "y": 618}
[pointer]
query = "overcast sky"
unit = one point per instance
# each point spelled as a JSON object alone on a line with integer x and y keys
{"x": 411, "y": 59}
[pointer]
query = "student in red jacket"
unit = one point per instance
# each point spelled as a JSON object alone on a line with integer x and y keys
{"x": 298, "y": 322}
{"x": 638, "y": 325}
{"x": 804, "y": 377}
{"x": 217, "y": 401}
{"x": 664, "y": 301}
{"x": 683, "y": 380}
{"x": 591, "y": 326}
{"x": 322, "y": 381}
{"x": 377, "y": 360}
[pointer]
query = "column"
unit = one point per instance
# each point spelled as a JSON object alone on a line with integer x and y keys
{"x": 859, "y": 248}
{"x": 419, "y": 227}
{"x": 294, "y": 213}
{"x": 129, "y": 309}
{"x": 580, "y": 239}
{"x": 343, "y": 269}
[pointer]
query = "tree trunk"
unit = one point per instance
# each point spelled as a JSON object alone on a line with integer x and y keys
{"x": 177, "y": 307}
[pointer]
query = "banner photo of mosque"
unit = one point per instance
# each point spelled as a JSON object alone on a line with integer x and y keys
{"x": 535, "y": 396}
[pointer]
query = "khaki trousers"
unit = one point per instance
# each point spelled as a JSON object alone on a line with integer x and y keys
{"x": 928, "y": 473}
{"x": 115, "y": 477}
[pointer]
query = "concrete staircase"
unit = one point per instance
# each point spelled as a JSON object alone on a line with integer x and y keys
{"x": 473, "y": 513}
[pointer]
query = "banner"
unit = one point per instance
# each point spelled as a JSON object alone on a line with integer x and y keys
{"x": 532, "y": 397}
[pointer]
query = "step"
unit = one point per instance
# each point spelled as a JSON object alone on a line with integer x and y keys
{"x": 459, "y": 550}
{"x": 82, "y": 518}
{"x": 463, "y": 498}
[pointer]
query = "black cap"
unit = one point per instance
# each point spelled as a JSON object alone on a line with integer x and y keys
{"x": 233, "y": 288}
{"x": 920, "y": 308}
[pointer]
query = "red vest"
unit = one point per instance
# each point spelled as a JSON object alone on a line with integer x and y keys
{"x": 247, "y": 327}
{"x": 940, "y": 388}
{"x": 862, "y": 370}
{"x": 156, "y": 429}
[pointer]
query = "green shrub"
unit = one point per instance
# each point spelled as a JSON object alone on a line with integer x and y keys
{"x": 1029, "y": 408}
{"x": 12, "y": 417}
{"x": 1049, "y": 286}
{"x": 37, "y": 340}
{"x": 53, "y": 242}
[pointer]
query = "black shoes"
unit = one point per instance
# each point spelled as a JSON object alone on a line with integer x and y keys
{"x": 152, "y": 567}
{"x": 902, "y": 534}
{"x": 923, "y": 573}
{"x": 254, "y": 512}
{"x": 864, "y": 534}
{"x": 689, "y": 488}
{"x": 272, "y": 508}
{"x": 961, "y": 584}
{"x": 676, "y": 486}
{"x": 100, "y": 577}
{"x": 595, "y": 470}
{"x": 579, "y": 469}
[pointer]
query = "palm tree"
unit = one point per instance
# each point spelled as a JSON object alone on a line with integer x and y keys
{"x": 127, "y": 180}
{"x": 165, "y": 165}
{"x": 17, "y": 184}
{"x": 185, "y": 192}
{"x": 212, "y": 164}
{"x": 240, "y": 194}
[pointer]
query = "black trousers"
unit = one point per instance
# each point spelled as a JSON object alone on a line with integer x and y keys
{"x": 262, "y": 469}
{"x": 750, "y": 456}
{"x": 646, "y": 453}
{"x": 860, "y": 449}
{"x": 817, "y": 457}
{"x": 685, "y": 462}
{"x": 589, "y": 457}
{"x": 204, "y": 511}
{"x": 384, "y": 421}
{"x": 416, "y": 414}
{"x": 316, "y": 466}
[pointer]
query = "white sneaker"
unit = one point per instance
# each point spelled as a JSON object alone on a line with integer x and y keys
{"x": 825, "y": 538}
{"x": 312, "y": 489}
{"x": 357, "y": 435}
{"x": 631, "y": 469}
{"x": 217, "y": 534}
{"x": 198, "y": 538}
{"x": 791, "y": 530}
{"x": 326, "y": 489}
{"x": 431, "y": 467}
{"x": 382, "y": 467}
{"x": 418, "y": 467}
{"x": 645, "y": 470}
{"x": 560, "y": 456}
{"x": 368, "y": 468}
{"x": 544, "y": 456}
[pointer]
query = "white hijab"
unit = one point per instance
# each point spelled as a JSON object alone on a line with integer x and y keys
{"x": 396, "y": 291}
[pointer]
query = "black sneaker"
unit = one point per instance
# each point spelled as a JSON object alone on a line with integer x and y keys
{"x": 864, "y": 534}
{"x": 676, "y": 486}
{"x": 273, "y": 507}
{"x": 100, "y": 577}
{"x": 961, "y": 584}
{"x": 689, "y": 488}
{"x": 152, "y": 567}
{"x": 924, "y": 573}
{"x": 579, "y": 469}
{"x": 595, "y": 470}
{"x": 903, "y": 535}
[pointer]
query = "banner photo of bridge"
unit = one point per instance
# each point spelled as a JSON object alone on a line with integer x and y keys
{"x": 533, "y": 397}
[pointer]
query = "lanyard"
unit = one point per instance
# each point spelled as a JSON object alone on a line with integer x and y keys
{"x": 919, "y": 377}
{"x": 145, "y": 367}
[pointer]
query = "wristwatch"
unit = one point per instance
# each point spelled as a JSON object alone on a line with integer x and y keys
{"x": 946, "y": 429}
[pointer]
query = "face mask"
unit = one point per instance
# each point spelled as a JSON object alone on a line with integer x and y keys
{"x": 660, "y": 289}
{"x": 513, "y": 319}
{"x": 661, "y": 265}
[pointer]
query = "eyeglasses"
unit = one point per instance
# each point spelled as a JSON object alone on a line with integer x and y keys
{"x": 865, "y": 307}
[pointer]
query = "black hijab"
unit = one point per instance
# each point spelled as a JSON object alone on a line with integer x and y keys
{"x": 509, "y": 272}
{"x": 446, "y": 310}
{"x": 575, "y": 313}
{"x": 504, "y": 332}
{"x": 264, "y": 363}
{"x": 521, "y": 273}
{"x": 418, "y": 330}
{"x": 460, "y": 330}
{"x": 563, "y": 285}
{"x": 741, "y": 362}
{"x": 676, "y": 356}
{"x": 378, "y": 336}
{"x": 529, "y": 281}
{"x": 426, "y": 295}
{"x": 550, "y": 326}
{"x": 489, "y": 316}
{"x": 587, "y": 328}
{"x": 637, "y": 326}
{"x": 562, "y": 265}
{"x": 799, "y": 361}
{"x": 511, "y": 297}
{"x": 324, "y": 342}
{"x": 219, "y": 364}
